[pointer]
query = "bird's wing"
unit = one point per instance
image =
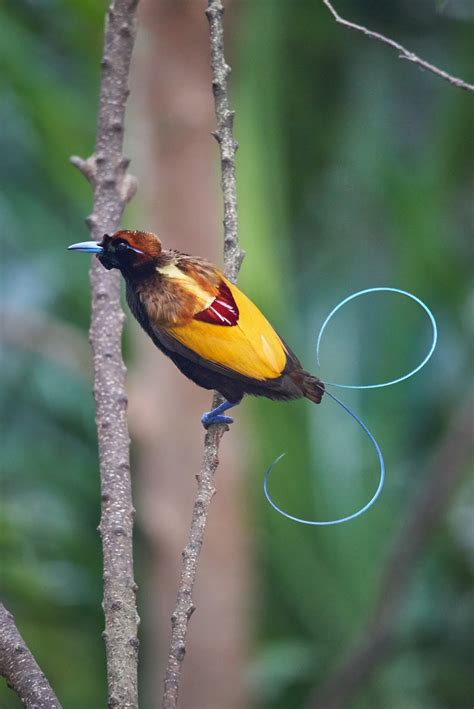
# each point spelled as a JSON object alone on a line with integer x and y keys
{"x": 231, "y": 335}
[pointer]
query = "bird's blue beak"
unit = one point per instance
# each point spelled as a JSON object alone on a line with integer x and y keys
{"x": 89, "y": 247}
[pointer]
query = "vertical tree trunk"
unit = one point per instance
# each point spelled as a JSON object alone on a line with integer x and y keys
{"x": 180, "y": 184}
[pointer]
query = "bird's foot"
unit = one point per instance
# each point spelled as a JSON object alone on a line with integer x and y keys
{"x": 211, "y": 417}
{"x": 215, "y": 416}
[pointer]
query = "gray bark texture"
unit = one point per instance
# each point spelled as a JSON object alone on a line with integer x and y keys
{"x": 112, "y": 188}
{"x": 20, "y": 668}
{"x": 233, "y": 257}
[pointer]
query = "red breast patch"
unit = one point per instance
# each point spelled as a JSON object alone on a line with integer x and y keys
{"x": 222, "y": 311}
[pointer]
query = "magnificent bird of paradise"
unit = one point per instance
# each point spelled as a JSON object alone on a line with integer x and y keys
{"x": 213, "y": 333}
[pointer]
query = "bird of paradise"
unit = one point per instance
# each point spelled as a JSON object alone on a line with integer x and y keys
{"x": 215, "y": 335}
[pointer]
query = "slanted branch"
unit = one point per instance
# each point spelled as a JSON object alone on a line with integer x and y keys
{"x": 403, "y": 53}
{"x": 20, "y": 668}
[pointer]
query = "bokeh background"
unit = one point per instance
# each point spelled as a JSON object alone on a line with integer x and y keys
{"x": 355, "y": 170}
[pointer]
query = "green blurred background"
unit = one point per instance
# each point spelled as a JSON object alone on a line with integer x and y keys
{"x": 355, "y": 170}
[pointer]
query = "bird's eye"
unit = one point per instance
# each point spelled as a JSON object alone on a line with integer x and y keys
{"x": 122, "y": 246}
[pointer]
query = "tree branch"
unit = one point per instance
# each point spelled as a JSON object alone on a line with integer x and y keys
{"x": 428, "y": 506}
{"x": 402, "y": 52}
{"x": 20, "y": 668}
{"x": 112, "y": 187}
{"x": 233, "y": 257}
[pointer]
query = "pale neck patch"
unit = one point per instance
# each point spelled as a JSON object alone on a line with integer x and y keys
{"x": 173, "y": 272}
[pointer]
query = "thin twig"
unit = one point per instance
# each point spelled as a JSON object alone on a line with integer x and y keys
{"x": 233, "y": 257}
{"x": 402, "y": 52}
{"x": 106, "y": 171}
{"x": 429, "y": 505}
{"x": 20, "y": 668}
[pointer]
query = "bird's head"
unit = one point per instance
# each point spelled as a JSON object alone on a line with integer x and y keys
{"x": 126, "y": 250}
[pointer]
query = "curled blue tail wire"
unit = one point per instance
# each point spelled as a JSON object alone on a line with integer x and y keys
{"x": 376, "y": 446}
{"x": 380, "y": 289}
{"x": 341, "y": 519}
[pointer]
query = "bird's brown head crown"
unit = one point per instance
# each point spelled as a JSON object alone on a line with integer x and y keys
{"x": 129, "y": 250}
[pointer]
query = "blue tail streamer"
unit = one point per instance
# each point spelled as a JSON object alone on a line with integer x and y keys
{"x": 380, "y": 289}
{"x": 356, "y": 418}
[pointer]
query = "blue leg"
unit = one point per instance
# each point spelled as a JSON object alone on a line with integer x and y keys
{"x": 214, "y": 416}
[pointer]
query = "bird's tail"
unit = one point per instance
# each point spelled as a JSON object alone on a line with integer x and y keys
{"x": 312, "y": 387}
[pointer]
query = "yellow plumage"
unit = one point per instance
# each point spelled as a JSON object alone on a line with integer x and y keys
{"x": 251, "y": 347}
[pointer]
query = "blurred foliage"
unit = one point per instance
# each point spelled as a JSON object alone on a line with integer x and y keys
{"x": 355, "y": 169}
{"x": 361, "y": 175}
{"x": 49, "y": 549}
